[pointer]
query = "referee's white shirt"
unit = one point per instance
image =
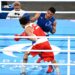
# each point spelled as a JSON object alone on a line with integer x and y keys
{"x": 15, "y": 14}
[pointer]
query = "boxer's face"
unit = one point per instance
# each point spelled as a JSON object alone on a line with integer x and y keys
{"x": 17, "y": 7}
{"x": 49, "y": 14}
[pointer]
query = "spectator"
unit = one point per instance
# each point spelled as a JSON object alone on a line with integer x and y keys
{"x": 17, "y": 12}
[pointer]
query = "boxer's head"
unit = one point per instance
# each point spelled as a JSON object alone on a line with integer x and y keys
{"x": 24, "y": 20}
{"x": 50, "y": 12}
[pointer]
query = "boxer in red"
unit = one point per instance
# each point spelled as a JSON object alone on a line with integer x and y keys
{"x": 40, "y": 43}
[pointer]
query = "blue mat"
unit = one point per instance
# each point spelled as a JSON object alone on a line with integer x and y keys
{"x": 11, "y": 27}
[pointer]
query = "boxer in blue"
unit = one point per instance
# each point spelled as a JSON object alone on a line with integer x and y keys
{"x": 46, "y": 20}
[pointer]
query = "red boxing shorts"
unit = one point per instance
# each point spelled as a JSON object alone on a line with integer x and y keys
{"x": 46, "y": 56}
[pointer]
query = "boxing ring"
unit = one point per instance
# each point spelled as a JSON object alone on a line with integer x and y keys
{"x": 63, "y": 42}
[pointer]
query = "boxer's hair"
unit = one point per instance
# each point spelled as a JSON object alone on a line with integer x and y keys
{"x": 52, "y": 9}
{"x": 24, "y": 20}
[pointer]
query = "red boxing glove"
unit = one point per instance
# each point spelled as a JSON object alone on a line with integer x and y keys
{"x": 22, "y": 34}
{"x": 16, "y": 39}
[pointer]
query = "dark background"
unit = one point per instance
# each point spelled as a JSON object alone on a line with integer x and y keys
{"x": 43, "y": 6}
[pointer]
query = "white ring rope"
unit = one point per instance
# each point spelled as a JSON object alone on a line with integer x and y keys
{"x": 43, "y": 0}
{"x": 12, "y": 37}
{"x": 38, "y": 51}
{"x": 67, "y": 37}
{"x": 34, "y": 64}
{"x": 64, "y": 37}
{"x": 57, "y": 12}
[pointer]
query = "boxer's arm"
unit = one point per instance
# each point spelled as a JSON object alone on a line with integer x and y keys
{"x": 36, "y": 16}
{"x": 54, "y": 27}
{"x": 29, "y": 32}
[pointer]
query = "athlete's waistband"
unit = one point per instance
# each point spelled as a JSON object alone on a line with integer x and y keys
{"x": 40, "y": 40}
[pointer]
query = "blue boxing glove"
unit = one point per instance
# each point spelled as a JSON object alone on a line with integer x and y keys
{"x": 33, "y": 42}
{"x": 49, "y": 27}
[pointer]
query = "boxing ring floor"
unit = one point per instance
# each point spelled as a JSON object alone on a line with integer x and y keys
{"x": 11, "y": 27}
